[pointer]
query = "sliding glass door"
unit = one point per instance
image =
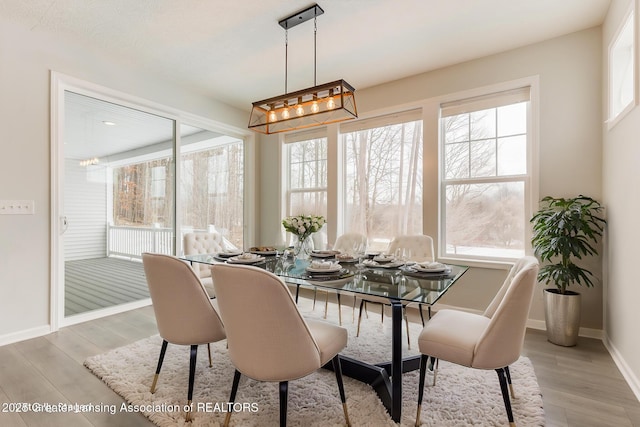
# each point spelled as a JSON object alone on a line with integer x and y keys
{"x": 123, "y": 193}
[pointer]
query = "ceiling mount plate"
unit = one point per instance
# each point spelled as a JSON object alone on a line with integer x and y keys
{"x": 300, "y": 17}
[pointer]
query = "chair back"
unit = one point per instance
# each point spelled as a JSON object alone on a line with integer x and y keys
{"x": 420, "y": 245}
{"x": 495, "y": 302}
{"x": 268, "y": 338}
{"x": 202, "y": 243}
{"x": 348, "y": 241}
{"x": 501, "y": 343}
{"x": 183, "y": 310}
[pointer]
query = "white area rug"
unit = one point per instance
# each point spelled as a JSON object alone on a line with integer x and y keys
{"x": 461, "y": 397}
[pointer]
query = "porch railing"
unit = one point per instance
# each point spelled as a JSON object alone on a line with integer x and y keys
{"x": 133, "y": 241}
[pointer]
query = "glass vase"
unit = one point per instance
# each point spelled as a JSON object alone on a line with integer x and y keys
{"x": 302, "y": 248}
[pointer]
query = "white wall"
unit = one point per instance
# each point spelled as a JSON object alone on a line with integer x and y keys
{"x": 27, "y": 57}
{"x": 569, "y": 70}
{"x": 621, "y": 180}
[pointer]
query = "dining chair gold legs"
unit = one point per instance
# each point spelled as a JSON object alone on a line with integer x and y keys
{"x": 337, "y": 368}
{"x": 163, "y": 350}
{"x": 283, "y": 393}
{"x": 363, "y": 303}
{"x": 508, "y": 374}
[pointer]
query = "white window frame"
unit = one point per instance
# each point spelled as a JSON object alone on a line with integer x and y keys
{"x": 292, "y": 138}
{"x": 530, "y": 180}
{"x": 622, "y": 53}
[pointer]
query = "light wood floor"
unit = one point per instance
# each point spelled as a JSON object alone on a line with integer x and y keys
{"x": 581, "y": 386}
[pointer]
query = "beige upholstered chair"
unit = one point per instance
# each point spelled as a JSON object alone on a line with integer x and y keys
{"x": 203, "y": 243}
{"x": 345, "y": 243}
{"x": 418, "y": 248}
{"x": 184, "y": 312}
{"x": 492, "y": 340}
{"x": 420, "y": 245}
{"x": 267, "y": 336}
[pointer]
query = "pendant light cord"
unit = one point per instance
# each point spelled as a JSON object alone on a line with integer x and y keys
{"x": 315, "y": 32}
{"x": 286, "y": 58}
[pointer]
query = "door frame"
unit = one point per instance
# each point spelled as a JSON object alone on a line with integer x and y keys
{"x": 60, "y": 83}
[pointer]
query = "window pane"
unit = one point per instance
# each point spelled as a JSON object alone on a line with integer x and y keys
{"x": 512, "y": 155}
{"x": 305, "y": 203}
{"x": 483, "y": 124}
{"x": 456, "y": 160}
{"x": 456, "y": 128}
{"x": 308, "y": 164}
{"x": 621, "y": 69}
{"x": 483, "y": 158}
{"x": 211, "y": 183}
{"x": 485, "y": 220}
{"x": 512, "y": 119}
{"x": 383, "y": 194}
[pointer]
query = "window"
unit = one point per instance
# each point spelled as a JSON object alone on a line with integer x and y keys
{"x": 622, "y": 70}
{"x": 211, "y": 183}
{"x": 382, "y": 177}
{"x": 307, "y": 176}
{"x": 485, "y": 176}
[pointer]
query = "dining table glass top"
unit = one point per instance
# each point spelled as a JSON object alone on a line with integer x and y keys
{"x": 402, "y": 283}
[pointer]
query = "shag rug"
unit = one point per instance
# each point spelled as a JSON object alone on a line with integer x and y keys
{"x": 461, "y": 396}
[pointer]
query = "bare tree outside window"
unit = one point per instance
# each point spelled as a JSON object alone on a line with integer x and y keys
{"x": 484, "y": 177}
{"x": 212, "y": 190}
{"x": 383, "y": 182}
{"x": 307, "y": 187}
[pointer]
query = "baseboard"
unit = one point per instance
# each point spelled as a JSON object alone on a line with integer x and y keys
{"x": 627, "y": 373}
{"x": 26, "y": 334}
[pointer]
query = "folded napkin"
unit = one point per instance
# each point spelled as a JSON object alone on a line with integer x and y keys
{"x": 431, "y": 265}
{"x": 230, "y": 251}
{"x": 384, "y": 257}
{"x": 247, "y": 255}
{"x": 321, "y": 265}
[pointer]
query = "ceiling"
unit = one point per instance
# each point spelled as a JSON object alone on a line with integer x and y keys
{"x": 234, "y": 51}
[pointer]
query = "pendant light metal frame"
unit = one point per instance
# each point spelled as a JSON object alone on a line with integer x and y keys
{"x": 315, "y": 106}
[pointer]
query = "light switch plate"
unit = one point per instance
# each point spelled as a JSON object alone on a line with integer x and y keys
{"x": 17, "y": 207}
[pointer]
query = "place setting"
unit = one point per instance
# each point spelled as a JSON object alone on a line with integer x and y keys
{"x": 326, "y": 271}
{"x": 427, "y": 269}
{"x": 386, "y": 261}
{"x": 246, "y": 258}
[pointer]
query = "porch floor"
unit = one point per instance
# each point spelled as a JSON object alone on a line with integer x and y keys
{"x": 96, "y": 283}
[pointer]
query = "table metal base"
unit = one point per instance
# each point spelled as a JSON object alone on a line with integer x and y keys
{"x": 385, "y": 378}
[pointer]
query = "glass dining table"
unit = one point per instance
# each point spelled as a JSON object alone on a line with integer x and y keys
{"x": 396, "y": 286}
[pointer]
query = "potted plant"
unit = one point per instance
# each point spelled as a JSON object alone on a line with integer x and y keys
{"x": 565, "y": 230}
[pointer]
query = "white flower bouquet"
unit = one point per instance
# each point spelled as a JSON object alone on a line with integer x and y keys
{"x": 303, "y": 225}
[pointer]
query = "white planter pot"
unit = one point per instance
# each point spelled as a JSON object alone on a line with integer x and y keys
{"x": 562, "y": 316}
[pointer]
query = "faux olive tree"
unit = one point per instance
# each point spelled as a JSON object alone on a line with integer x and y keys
{"x": 565, "y": 230}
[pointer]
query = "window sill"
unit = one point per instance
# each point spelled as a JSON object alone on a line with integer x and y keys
{"x": 488, "y": 264}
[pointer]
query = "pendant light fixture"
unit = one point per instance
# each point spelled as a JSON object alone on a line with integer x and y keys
{"x": 318, "y": 105}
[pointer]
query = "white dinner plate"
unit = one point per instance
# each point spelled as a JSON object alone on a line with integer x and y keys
{"x": 228, "y": 254}
{"x": 265, "y": 253}
{"x": 324, "y": 270}
{"x": 235, "y": 260}
{"x": 323, "y": 254}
